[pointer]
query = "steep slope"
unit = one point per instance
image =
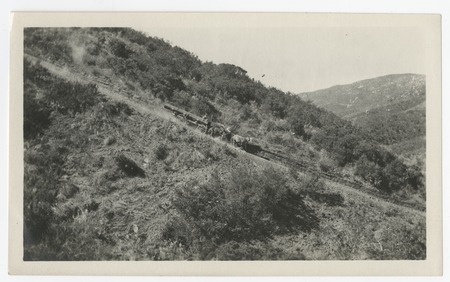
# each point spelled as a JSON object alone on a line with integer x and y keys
{"x": 113, "y": 180}
{"x": 108, "y": 175}
{"x": 146, "y": 67}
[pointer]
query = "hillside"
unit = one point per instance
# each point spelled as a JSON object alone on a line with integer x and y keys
{"x": 365, "y": 95}
{"x": 109, "y": 175}
{"x": 389, "y": 109}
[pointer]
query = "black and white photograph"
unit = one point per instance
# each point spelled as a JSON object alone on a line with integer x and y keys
{"x": 235, "y": 138}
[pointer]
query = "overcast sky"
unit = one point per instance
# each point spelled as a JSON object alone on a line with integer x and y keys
{"x": 299, "y": 59}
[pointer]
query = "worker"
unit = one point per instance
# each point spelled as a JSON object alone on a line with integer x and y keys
{"x": 207, "y": 121}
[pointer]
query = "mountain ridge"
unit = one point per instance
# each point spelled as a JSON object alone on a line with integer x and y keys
{"x": 334, "y": 97}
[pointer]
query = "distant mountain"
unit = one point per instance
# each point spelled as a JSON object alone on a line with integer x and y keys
{"x": 352, "y": 99}
{"x": 389, "y": 109}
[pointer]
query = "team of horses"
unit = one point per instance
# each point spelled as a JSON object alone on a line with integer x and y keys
{"x": 227, "y": 135}
{"x": 213, "y": 129}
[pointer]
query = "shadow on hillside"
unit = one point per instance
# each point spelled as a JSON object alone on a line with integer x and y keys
{"x": 129, "y": 167}
{"x": 294, "y": 214}
{"x": 253, "y": 149}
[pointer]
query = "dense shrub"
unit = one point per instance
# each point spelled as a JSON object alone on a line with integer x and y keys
{"x": 234, "y": 84}
{"x": 36, "y": 115}
{"x": 325, "y": 163}
{"x": 70, "y": 97}
{"x": 374, "y": 153}
{"x": 202, "y": 106}
{"x": 119, "y": 48}
{"x": 395, "y": 123}
{"x": 416, "y": 180}
{"x": 51, "y": 43}
{"x": 161, "y": 152}
{"x": 164, "y": 84}
{"x": 367, "y": 170}
{"x": 276, "y": 104}
{"x": 41, "y": 185}
{"x": 247, "y": 206}
{"x": 182, "y": 99}
{"x": 36, "y": 110}
{"x": 393, "y": 177}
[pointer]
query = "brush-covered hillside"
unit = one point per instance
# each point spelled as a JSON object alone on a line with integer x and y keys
{"x": 109, "y": 175}
{"x": 352, "y": 99}
{"x": 389, "y": 109}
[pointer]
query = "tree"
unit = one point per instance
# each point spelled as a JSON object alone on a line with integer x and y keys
{"x": 276, "y": 105}
{"x": 394, "y": 176}
{"x": 119, "y": 48}
{"x": 368, "y": 170}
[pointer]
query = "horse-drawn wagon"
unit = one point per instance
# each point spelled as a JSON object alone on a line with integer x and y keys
{"x": 188, "y": 117}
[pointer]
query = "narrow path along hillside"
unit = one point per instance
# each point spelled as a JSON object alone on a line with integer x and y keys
{"x": 148, "y": 109}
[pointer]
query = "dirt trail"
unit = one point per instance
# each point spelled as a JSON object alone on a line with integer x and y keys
{"x": 376, "y": 200}
{"x": 148, "y": 109}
